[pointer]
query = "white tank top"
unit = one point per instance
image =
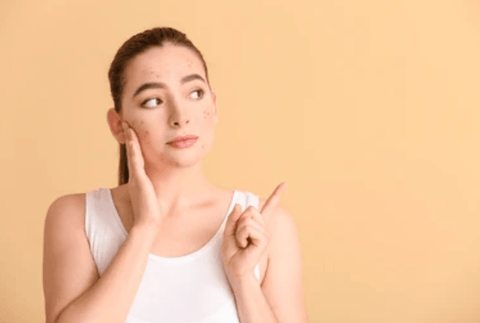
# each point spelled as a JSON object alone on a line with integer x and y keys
{"x": 187, "y": 289}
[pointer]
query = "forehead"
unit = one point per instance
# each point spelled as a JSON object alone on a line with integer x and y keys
{"x": 168, "y": 63}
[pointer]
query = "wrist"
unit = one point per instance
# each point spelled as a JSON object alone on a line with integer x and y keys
{"x": 145, "y": 229}
{"x": 239, "y": 282}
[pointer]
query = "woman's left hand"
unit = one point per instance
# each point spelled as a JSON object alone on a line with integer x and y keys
{"x": 245, "y": 238}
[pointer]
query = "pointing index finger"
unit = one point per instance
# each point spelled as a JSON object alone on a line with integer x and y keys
{"x": 273, "y": 200}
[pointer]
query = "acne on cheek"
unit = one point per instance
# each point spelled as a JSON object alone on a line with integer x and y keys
{"x": 146, "y": 137}
{"x": 142, "y": 136}
{"x": 206, "y": 114}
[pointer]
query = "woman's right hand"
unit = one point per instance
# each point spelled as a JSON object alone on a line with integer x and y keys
{"x": 146, "y": 209}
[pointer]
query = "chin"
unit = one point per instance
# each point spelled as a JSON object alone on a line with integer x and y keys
{"x": 185, "y": 157}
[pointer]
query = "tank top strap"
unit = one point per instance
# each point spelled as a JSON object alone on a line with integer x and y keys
{"x": 102, "y": 228}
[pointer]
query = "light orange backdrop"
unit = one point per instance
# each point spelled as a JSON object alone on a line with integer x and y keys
{"x": 368, "y": 109}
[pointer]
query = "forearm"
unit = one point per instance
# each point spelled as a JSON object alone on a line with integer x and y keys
{"x": 252, "y": 306}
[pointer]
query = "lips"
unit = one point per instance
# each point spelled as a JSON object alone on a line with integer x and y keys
{"x": 180, "y": 138}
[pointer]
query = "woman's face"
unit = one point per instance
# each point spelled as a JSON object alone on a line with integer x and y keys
{"x": 160, "y": 104}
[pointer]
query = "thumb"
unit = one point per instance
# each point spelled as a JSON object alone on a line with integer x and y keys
{"x": 232, "y": 220}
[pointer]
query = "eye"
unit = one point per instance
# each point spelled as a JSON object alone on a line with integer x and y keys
{"x": 151, "y": 103}
{"x": 200, "y": 91}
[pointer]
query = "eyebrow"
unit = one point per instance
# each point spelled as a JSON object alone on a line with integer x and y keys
{"x": 160, "y": 85}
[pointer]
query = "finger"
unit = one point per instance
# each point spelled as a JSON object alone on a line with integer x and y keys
{"x": 249, "y": 222}
{"x": 273, "y": 200}
{"x": 252, "y": 233}
{"x": 257, "y": 216}
{"x": 230, "y": 226}
{"x": 138, "y": 150}
{"x": 249, "y": 218}
{"x": 251, "y": 213}
{"x": 128, "y": 147}
{"x": 133, "y": 135}
{"x": 134, "y": 155}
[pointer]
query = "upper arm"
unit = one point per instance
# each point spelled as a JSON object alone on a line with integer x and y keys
{"x": 68, "y": 267}
{"x": 282, "y": 285}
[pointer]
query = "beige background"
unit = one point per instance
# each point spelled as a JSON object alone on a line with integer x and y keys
{"x": 368, "y": 109}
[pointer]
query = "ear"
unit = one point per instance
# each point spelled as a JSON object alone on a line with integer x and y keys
{"x": 214, "y": 97}
{"x": 115, "y": 123}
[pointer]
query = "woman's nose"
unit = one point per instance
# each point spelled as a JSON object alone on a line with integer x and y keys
{"x": 177, "y": 123}
{"x": 179, "y": 114}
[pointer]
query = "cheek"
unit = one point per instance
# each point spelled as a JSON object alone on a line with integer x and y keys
{"x": 208, "y": 126}
{"x": 208, "y": 114}
{"x": 146, "y": 135}
{"x": 142, "y": 133}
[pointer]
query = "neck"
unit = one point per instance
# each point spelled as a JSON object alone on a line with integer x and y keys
{"x": 179, "y": 188}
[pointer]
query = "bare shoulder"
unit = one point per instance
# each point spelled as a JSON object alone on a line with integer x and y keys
{"x": 277, "y": 223}
{"x": 71, "y": 206}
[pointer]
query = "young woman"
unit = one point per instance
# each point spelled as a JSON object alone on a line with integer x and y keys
{"x": 166, "y": 245}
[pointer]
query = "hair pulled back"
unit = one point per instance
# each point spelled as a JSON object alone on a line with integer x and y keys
{"x": 135, "y": 45}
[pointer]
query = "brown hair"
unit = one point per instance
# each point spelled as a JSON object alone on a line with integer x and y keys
{"x": 138, "y": 44}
